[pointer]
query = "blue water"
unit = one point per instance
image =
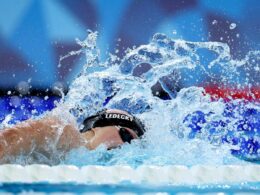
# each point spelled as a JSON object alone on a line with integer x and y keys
{"x": 251, "y": 188}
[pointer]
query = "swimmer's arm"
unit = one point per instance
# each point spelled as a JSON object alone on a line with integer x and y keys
{"x": 38, "y": 135}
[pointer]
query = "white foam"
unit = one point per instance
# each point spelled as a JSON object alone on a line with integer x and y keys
{"x": 177, "y": 175}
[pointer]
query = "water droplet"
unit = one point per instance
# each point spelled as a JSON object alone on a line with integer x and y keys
{"x": 214, "y": 22}
{"x": 232, "y": 26}
{"x": 174, "y": 32}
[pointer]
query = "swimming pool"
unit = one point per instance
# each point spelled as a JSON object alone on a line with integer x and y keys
{"x": 194, "y": 143}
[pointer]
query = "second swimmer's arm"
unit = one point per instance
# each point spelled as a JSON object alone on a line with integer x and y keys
{"x": 42, "y": 135}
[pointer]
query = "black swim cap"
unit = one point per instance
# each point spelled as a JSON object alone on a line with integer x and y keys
{"x": 103, "y": 118}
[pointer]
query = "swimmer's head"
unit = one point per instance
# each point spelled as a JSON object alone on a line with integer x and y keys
{"x": 112, "y": 128}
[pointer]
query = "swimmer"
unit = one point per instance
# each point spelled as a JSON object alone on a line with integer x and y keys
{"x": 110, "y": 128}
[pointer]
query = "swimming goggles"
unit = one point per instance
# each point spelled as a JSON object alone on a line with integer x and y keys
{"x": 103, "y": 119}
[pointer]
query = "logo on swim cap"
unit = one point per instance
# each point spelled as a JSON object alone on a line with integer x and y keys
{"x": 118, "y": 116}
{"x": 103, "y": 119}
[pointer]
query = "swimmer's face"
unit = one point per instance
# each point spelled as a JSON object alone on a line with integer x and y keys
{"x": 108, "y": 136}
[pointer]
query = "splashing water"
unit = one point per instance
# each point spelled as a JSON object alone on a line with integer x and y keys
{"x": 189, "y": 128}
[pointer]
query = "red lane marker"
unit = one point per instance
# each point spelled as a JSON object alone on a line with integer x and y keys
{"x": 216, "y": 92}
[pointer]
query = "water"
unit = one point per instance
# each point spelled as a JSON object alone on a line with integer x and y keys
{"x": 73, "y": 188}
{"x": 190, "y": 127}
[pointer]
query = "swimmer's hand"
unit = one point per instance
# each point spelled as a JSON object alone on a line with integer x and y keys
{"x": 44, "y": 136}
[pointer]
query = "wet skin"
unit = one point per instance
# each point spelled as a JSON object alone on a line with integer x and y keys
{"x": 49, "y": 134}
{"x": 109, "y": 136}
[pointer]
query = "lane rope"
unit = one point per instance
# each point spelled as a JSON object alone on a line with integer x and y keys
{"x": 116, "y": 174}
